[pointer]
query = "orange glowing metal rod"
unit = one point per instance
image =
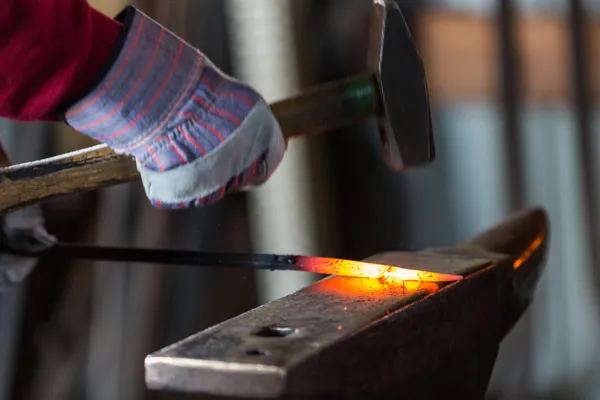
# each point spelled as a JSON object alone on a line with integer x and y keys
{"x": 389, "y": 273}
{"x": 273, "y": 262}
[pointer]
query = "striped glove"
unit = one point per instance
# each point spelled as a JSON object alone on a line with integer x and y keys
{"x": 196, "y": 134}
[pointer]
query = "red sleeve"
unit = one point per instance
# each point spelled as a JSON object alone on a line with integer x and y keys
{"x": 50, "y": 52}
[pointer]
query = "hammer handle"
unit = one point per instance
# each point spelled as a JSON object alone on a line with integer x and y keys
{"x": 329, "y": 106}
{"x": 317, "y": 110}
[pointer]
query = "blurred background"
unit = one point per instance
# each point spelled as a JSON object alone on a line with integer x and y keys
{"x": 515, "y": 87}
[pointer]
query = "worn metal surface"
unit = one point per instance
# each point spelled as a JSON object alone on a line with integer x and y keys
{"x": 349, "y": 337}
{"x": 393, "y": 89}
{"x": 405, "y": 121}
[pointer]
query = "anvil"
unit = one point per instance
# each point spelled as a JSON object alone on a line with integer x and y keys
{"x": 348, "y": 338}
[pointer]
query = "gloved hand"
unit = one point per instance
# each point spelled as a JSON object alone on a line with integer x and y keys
{"x": 196, "y": 134}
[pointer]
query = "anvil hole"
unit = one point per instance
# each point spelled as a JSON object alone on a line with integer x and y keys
{"x": 274, "y": 331}
{"x": 255, "y": 352}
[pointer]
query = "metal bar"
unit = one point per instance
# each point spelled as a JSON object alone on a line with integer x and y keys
{"x": 582, "y": 103}
{"x": 356, "y": 338}
{"x": 317, "y": 110}
{"x": 168, "y": 257}
{"x": 272, "y": 262}
{"x": 510, "y": 101}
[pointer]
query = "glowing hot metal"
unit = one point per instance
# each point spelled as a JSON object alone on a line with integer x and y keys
{"x": 320, "y": 265}
{"x": 387, "y": 273}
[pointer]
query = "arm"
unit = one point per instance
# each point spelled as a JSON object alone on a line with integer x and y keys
{"x": 50, "y": 52}
{"x": 196, "y": 134}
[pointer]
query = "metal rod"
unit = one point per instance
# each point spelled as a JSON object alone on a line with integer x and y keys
{"x": 510, "y": 101}
{"x": 511, "y": 105}
{"x": 167, "y": 257}
{"x": 582, "y": 100}
{"x": 272, "y": 262}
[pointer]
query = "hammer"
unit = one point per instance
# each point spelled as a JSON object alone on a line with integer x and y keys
{"x": 393, "y": 90}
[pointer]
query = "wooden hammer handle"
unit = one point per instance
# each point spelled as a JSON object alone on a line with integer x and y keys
{"x": 76, "y": 172}
{"x": 320, "y": 109}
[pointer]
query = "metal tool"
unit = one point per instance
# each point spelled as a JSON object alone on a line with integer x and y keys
{"x": 393, "y": 90}
{"x": 27, "y": 243}
{"x": 348, "y": 338}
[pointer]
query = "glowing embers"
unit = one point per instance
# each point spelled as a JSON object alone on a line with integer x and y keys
{"x": 385, "y": 273}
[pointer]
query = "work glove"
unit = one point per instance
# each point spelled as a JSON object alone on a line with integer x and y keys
{"x": 196, "y": 134}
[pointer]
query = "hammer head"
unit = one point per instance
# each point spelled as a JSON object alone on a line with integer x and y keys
{"x": 406, "y": 131}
